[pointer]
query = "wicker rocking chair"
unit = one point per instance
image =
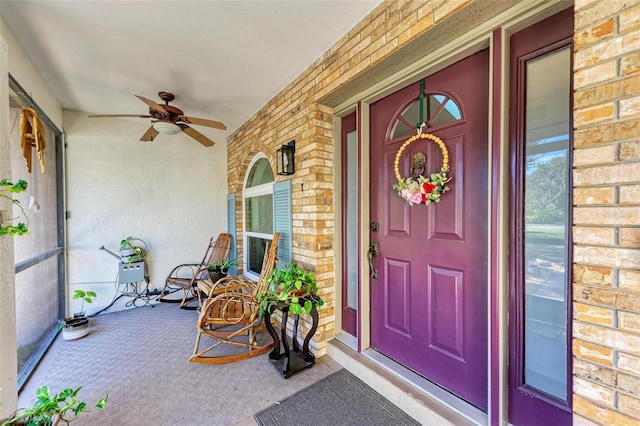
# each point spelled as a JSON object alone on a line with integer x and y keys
{"x": 185, "y": 277}
{"x": 229, "y": 315}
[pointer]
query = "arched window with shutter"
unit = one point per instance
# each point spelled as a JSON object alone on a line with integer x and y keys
{"x": 258, "y": 214}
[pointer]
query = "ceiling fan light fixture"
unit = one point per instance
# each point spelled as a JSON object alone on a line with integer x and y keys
{"x": 169, "y": 120}
{"x": 167, "y": 128}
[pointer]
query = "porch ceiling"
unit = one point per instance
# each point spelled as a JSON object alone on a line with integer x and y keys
{"x": 221, "y": 59}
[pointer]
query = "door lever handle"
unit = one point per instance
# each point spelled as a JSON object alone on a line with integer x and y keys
{"x": 374, "y": 250}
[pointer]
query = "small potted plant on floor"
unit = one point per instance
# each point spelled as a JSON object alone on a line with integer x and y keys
{"x": 293, "y": 286}
{"x": 52, "y": 410}
{"x": 78, "y": 326}
{"x": 221, "y": 269}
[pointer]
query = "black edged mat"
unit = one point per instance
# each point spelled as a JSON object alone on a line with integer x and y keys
{"x": 339, "y": 399}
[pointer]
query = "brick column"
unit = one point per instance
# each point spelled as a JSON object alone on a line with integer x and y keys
{"x": 606, "y": 288}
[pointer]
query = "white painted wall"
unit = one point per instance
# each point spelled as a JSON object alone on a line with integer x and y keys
{"x": 14, "y": 61}
{"x": 171, "y": 193}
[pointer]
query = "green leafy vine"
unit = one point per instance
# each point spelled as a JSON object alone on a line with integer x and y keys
{"x": 6, "y": 189}
{"x": 52, "y": 409}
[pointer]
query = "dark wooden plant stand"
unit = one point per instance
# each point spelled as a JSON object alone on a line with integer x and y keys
{"x": 290, "y": 362}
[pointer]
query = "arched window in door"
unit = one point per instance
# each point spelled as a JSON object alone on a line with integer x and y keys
{"x": 437, "y": 109}
{"x": 258, "y": 213}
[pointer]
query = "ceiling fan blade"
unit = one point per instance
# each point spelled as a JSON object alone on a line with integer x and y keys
{"x": 203, "y": 122}
{"x": 149, "y": 135}
{"x": 117, "y": 115}
{"x": 197, "y": 136}
{"x": 153, "y": 105}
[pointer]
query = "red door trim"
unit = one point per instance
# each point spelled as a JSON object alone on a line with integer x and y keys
{"x": 359, "y": 324}
{"x": 350, "y": 318}
{"x": 495, "y": 382}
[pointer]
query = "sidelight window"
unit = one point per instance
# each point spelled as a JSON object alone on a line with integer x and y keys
{"x": 545, "y": 220}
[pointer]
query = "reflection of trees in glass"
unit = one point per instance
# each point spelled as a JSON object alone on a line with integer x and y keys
{"x": 546, "y": 191}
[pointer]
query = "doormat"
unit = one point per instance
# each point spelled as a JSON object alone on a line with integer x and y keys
{"x": 338, "y": 399}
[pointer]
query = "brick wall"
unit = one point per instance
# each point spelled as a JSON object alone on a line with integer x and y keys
{"x": 606, "y": 289}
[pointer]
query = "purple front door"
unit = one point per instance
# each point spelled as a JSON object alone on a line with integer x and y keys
{"x": 429, "y": 300}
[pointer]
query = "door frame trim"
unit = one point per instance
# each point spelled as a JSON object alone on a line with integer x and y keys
{"x": 364, "y": 322}
{"x": 493, "y": 34}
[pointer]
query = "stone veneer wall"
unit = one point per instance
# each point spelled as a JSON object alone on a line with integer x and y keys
{"x": 606, "y": 289}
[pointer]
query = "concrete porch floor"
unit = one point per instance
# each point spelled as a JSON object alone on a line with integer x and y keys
{"x": 139, "y": 357}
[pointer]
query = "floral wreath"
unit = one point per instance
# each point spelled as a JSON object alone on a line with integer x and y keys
{"x": 417, "y": 189}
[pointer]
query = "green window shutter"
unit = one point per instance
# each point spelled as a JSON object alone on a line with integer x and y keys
{"x": 282, "y": 219}
{"x": 231, "y": 230}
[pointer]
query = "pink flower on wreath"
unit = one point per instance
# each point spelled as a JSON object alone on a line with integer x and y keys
{"x": 416, "y": 197}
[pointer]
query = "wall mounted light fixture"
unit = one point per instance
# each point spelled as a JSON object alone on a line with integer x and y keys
{"x": 285, "y": 163}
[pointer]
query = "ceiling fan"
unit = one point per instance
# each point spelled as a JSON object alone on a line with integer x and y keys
{"x": 169, "y": 120}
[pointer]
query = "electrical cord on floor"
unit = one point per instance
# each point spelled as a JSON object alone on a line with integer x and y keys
{"x": 130, "y": 290}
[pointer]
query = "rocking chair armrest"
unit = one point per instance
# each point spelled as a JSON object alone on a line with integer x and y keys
{"x": 235, "y": 284}
{"x": 226, "y": 307}
{"x": 230, "y": 296}
{"x": 192, "y": 269}
{"x": 223, "y": 285}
